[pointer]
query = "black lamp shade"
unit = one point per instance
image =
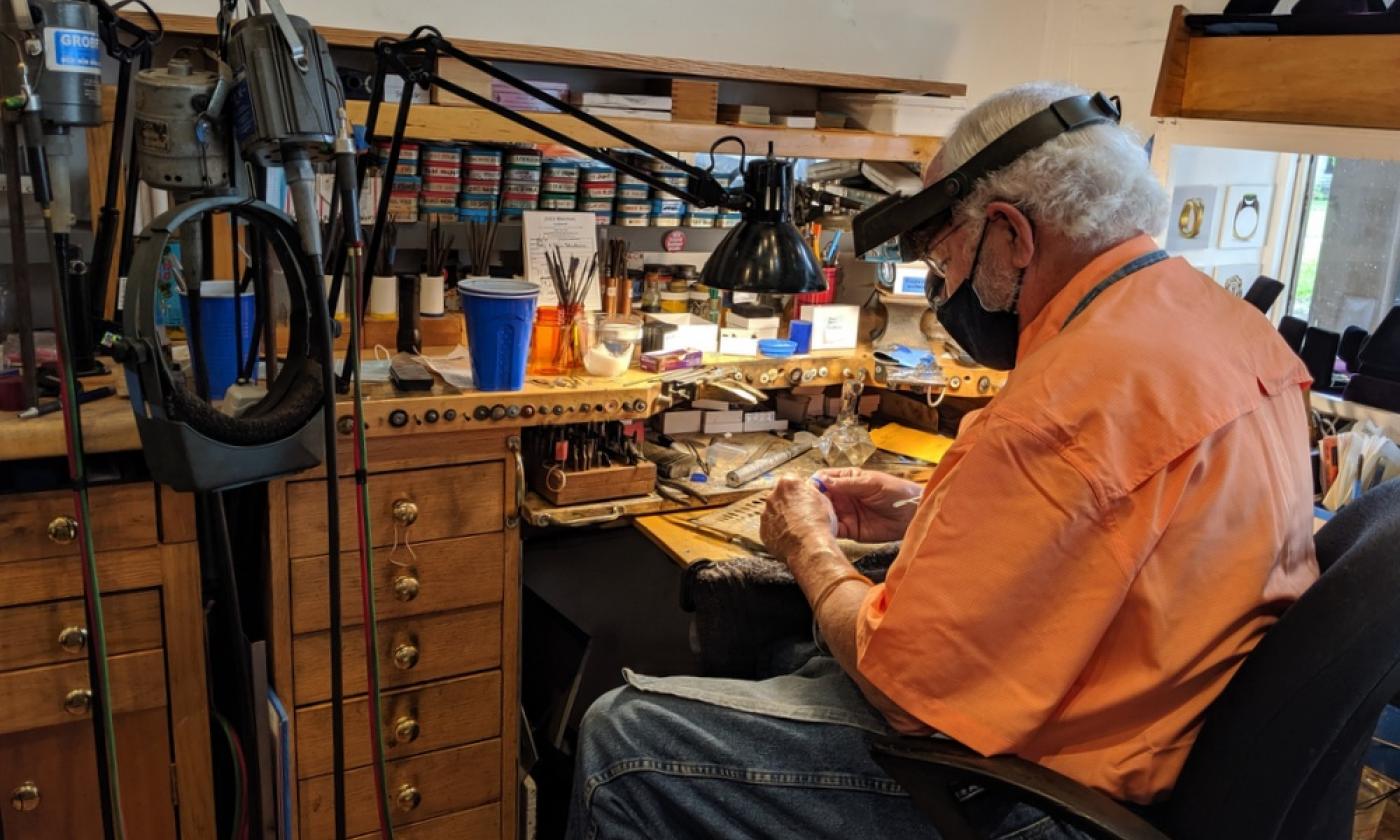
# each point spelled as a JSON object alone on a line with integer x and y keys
{"x": 765, "y": 252}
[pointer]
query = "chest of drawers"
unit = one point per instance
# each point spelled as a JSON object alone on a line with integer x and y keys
{"x": 148, "y": 568}
{"x": 442, "y": 519}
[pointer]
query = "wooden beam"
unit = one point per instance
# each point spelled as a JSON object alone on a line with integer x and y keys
{"x": 1171, "y": 78}
{"x": 444, "y": 122}
{"x": 177, "y": 24}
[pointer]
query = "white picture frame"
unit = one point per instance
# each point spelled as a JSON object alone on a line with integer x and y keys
{"x": 1244, "y": 215}
{"x": 1236, "y": 278}
{"x": 1192, "y": 217}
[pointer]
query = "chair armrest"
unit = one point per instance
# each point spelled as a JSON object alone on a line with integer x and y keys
{"x": 927, "y": 766}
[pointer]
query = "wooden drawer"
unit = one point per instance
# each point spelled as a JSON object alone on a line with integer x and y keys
{"x": 442, "y": 575}
{"x": 35, "y": 697}
{"x": 478, "y": 823}
{"x": 445, "y": 714}
{"x": 447, "y": 645}
{"x": 61, "y": 765}
{"x": 451, "y": 502}
{"x": 444, "y": 781}
{"x": 123, "y": 516}
{"x": 40, "y": 634}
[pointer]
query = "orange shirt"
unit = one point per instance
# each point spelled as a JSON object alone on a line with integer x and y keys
{"x": 1109, "y": 537}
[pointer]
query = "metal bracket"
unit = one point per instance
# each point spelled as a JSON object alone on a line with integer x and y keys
{"x": 293, "y": 40}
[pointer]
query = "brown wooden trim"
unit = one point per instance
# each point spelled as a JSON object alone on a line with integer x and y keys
{"x": 1171, "y": 78}
{"x": 189, "y": 703}
{"x": 177, "y": 24}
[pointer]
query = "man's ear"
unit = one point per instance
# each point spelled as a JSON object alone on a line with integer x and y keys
{"x": 1021, "y": 233}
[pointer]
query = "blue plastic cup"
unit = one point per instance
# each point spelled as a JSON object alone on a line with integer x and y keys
{"x": 217, "y": 349}
{"x": 500, "y": 315}
{"x": 800, "y": 334}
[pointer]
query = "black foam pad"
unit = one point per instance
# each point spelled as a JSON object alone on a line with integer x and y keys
{"x": 301, "y": 402}
{"x": 1319, "y": 354}
{"x": 1353, "y": 339}
{"x": 1380, "y": 357}
{"x": 1293, "y": 329}
{"x": 1263, "y": 292}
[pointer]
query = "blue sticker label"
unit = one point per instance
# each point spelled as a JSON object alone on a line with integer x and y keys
{"x": 73, "y": 51}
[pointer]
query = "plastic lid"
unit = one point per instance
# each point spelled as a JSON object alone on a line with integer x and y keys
{"x": 217, "y": 288}
{"x": 498, "y": 288}
{"x": 779, "y": 348}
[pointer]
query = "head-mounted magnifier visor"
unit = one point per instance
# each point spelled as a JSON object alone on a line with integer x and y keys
{"x": 916, "y": 220}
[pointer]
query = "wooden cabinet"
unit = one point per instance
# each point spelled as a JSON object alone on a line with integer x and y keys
{"x": 149, "y": 576}
{"x": 446, "y": 587}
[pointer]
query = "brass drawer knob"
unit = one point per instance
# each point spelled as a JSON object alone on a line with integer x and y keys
{"x": 63, "y": 529}
{"x": 408, "y": 797}
{"x": 25, "y": 797}
{"x": 78, "y": 702}
{"x": 73, "y": 638}
{"x": 405, "y": 730}
{"x": 405, "y": 655}
{"x": 405, "y": 511}
{"x": 406, "y": 587}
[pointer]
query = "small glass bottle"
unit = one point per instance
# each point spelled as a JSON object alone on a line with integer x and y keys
{"x": 712, "y": 310}
{"x": 651, "y": 295}
{"x": 544, "y": 342}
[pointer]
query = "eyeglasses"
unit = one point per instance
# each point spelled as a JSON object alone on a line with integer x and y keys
{"x": 937, "y": 266}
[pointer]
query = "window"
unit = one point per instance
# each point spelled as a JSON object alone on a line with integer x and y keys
{"x": 1348, "y": 255}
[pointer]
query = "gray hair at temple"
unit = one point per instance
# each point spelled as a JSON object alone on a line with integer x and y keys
{"x": 1093, "y": 185}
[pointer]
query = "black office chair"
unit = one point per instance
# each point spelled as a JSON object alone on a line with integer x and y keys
{"x": 1263, "y": 292}
{"x": 1281, "y": 750}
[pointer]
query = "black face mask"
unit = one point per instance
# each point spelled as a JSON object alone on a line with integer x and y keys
{"x": 990, "y": 338}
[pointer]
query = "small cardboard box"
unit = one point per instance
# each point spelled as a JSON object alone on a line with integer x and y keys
{"x": 691, "y": 331}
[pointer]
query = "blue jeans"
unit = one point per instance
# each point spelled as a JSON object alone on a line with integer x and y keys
{"x": 655, "y": 762}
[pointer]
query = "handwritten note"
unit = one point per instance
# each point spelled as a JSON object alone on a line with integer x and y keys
{"x": 574, "y": 234}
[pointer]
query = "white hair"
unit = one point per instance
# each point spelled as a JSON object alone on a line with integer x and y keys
{"x": 1093, "y": 185}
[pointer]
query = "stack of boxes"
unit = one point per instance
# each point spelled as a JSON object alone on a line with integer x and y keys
{"x": 597, "y": 187}
{"x": 521, "y": 176}
{"x": 666, "y": 209}
{"x": 481, "y": 185}
{"x": 632, "y": 206}
{"x": 441, "y": 168}
{"x": 404, "y": 183}
{"x": 559, "y": 184}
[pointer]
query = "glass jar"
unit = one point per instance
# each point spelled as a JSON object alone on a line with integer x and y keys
{"x": 555, "y": 341}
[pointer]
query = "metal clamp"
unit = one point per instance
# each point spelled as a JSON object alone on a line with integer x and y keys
{"x": 513, "y": 518}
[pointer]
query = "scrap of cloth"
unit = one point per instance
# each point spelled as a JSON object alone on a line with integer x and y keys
{"x": 1109, "y": 537}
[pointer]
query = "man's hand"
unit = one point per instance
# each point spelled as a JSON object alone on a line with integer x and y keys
{"x": 864, "y": 503}
{"x": 798, "y": 520}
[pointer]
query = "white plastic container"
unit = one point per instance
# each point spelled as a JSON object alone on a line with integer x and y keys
{"x": 898, "y": 113}
{"x": 835, "y": 326}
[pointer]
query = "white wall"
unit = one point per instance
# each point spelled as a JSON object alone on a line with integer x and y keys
{"x": 988, "y": 44}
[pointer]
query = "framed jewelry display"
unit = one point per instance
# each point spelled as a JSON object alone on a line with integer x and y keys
{"x": 1192, "y": 218}
{"x": 1245, "y": 215}
{"x": 1237, "y": 278}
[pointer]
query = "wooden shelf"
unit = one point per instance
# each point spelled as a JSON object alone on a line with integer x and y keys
{"x": 1350, "y": 81}
{"x": 176, "y": 24}
{"x": 447, "y": 122}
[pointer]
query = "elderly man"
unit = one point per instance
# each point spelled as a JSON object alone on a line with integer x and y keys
{"x": 1107, "y": 540}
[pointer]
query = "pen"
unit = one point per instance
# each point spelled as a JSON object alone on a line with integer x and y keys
{"x": 51, "y": 407}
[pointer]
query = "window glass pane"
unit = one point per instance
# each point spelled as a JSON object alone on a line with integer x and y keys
{"x": 1349, "y": 253}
